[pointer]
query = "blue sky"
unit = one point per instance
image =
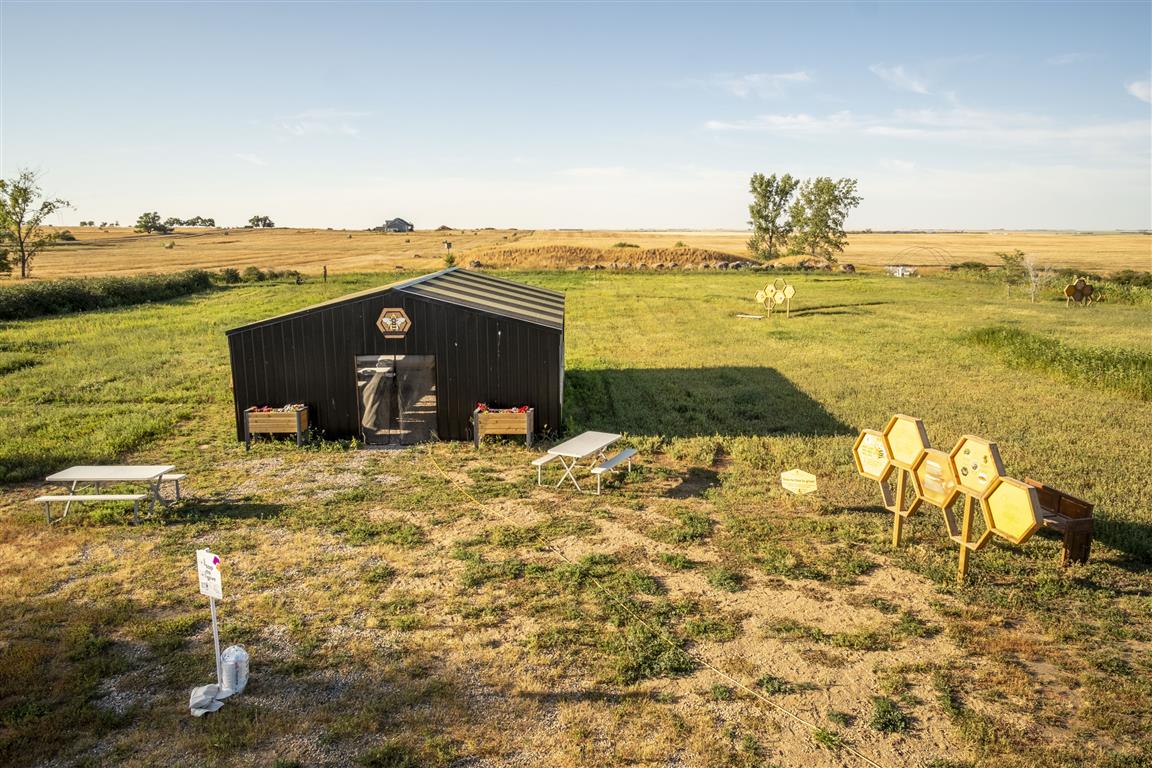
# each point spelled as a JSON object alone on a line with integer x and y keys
{"x": 972, "y": 115}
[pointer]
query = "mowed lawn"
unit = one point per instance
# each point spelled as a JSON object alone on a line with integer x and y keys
{"x": 395, "y": 621}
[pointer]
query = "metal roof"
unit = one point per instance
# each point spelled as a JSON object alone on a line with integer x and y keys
{"x": 474, "y": 290}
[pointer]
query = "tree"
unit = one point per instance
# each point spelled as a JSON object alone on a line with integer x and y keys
{"x": 150, "y": 222}
{"x": 770, "y": 198}
{"x": 1036, "y": 277}
{"x": 22, "y": 214}
{"x": 173, "y": 222}
{"x": 1014, "y": 270}
{"x": 817, "y": 216}
{"x": 260, "y": 222}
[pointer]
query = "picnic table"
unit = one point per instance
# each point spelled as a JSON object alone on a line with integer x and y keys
{"x": 570, "y": 452}
{"x": 95, "y": 476}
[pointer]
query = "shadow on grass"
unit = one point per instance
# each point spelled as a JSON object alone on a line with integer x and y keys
{"x": 204, "y": 510}
{"x": 689, "y": 402}
{"x": 1130, "y": 537}
{"x": 835, "y": 309}
{"x": 696, "y": 483}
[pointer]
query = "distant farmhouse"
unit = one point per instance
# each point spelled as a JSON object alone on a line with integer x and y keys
{"x": 398, "y": 225}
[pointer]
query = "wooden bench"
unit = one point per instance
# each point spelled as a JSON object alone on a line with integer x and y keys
{"x": 135, "y": 498}
{"x": 1069, "y": 516}
{"x": 540, "y": 462}
{"x": 174, "y": 479}
{"x": 610, "y": 464}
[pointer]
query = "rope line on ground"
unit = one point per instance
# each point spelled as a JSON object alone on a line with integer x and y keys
{"x": 650, "y": 627}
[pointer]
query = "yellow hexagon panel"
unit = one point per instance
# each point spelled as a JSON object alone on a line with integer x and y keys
{"x": 907, "y": 439}
{"x": 977, "y": 465}
{"x": 934, "y": 479}
{"x": 1012, "y": 510}
{"x": 871, "y": 455}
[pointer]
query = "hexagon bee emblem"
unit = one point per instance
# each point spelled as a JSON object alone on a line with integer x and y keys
{"x": 871, "y": 455}
{"x": 933, "y": 478}
{"x": 1012, "y": 510}
{"x": 394, "y": 323}
{"x": 907, "y": 439}
{"x": 977, "y": 464}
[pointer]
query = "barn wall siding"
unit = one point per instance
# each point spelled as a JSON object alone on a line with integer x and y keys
{"x": 480, "y": 357}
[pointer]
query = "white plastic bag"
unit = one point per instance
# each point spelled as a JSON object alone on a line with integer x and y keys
{"x": 234, "y": 670}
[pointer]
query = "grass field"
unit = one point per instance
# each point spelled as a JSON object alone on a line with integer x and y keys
{"x": 120, "y": 251}
{"x": 394, "y": 622}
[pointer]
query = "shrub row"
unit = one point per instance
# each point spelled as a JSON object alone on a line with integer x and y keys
{"x": 1128, "y": 371}
{"x": 24, "y": 300}
{"x": 232, "y": 276}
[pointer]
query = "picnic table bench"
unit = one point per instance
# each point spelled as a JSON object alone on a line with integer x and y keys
{"x": 69, "y": 498}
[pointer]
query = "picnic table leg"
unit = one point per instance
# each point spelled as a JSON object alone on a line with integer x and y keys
{"x": 48, "y": 511}
{"x": 568, "y": 467}
{"x": 155, "y": 494}
{"x": 71, "y": 492}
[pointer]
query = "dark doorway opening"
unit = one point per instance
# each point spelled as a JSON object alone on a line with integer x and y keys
{"x": 396, "y": 398}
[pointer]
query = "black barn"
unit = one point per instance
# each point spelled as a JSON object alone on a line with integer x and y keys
{"x": 408, "y": 362}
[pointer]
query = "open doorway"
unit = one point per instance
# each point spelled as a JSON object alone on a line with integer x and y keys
{"x": 396, "y": 398}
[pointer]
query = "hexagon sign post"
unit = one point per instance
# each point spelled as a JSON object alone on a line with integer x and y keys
{"x": 934, "y": 479}
{"x": 977, "y": 464}
{"x": 906, "y": 439}
{"x": 1012, "y": 510}
{"x": 779, "y": 291}
{"x": 978, "y": 469}
{"x": 394, "y": 322}
{"x": 871, "y": 456}
{"x": 973, "y": 469}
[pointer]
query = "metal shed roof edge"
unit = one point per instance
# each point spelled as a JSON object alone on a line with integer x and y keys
{"x": 400, "y": 285}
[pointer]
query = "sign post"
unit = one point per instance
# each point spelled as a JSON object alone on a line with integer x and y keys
{"x": 208, "y": 569}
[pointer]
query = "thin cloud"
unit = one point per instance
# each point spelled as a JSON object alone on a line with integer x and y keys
{"x": 900, "y": 79}
{"x": 763, "y": 84}
{"x": 1064, "y": 59}
{"x": 954, "y": 126}
{"x": 320, "y": 122}
{"x": 1141, "y": 89}
{"x": 250, "y": 158}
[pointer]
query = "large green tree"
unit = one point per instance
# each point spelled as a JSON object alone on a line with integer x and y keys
{"x": 260, "y": 222}
{"x": 817, "y": 216}
{"x": 149, "y": 222}
{"x": 768, "y": 212}
{"x": 22, "y": 212}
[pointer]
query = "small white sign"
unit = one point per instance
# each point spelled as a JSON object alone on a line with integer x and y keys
{"x": 208, "y": 568}
{"x": 798, "y": 481}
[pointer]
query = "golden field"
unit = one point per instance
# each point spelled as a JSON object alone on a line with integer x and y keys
{"x": 120, "y": 251}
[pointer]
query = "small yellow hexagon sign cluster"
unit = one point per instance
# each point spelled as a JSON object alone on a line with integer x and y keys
{"x": 973, "y": 468}
{"x": 778, "y": 292}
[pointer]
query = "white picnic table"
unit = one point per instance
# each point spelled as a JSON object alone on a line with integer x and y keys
{"x": 586, "y": 444}
{"x": 97, "y": 475}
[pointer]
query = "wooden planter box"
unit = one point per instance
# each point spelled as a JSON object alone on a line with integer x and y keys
{"x": 275, "y": 422}
{"x": 507, "y": 423}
